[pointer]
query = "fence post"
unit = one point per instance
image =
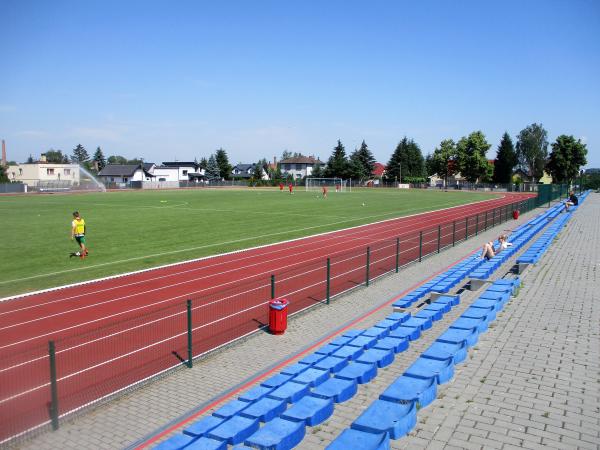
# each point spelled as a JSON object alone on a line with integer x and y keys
{"x": 53, "y": 386}
{"x": 397, "y": 253}
{"x": 420, "y": 246}
{"x": 477, "y": 224}
{"x": 466, "y": 228}
{"x": 439, "y": 236}
{"x": 273, "y": 287}
{"x": 453, "y": 233}
{"x": 189, "y": 334}
{"x": 368, "y": 264}
{"x": 328, "y": 278}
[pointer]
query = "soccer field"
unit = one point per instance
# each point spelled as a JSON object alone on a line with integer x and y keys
{"x": 135, "y": 230}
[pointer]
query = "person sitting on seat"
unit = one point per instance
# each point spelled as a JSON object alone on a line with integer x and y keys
{"x": 489, "y": 251}
{"x": 571, "y": 201}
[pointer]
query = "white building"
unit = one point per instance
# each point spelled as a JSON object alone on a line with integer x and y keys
{"x": 299, "y": 167}
{"x": 174, "y": 171}
{"x": 44, "y": 173}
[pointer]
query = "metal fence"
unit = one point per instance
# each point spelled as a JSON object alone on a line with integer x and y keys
{"x": 43, "y": 384}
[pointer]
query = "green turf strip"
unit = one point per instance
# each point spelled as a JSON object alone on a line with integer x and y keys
{"x": 139, "y": 229}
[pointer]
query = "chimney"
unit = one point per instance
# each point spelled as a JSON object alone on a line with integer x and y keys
{"x": 274, "y": 160}
{"x": 3, "y": 162}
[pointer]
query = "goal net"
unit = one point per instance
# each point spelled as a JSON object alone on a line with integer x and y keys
{"x": 333, "y": 184}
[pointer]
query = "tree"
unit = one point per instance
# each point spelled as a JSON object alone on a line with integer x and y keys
{"x": 212, "y": 172}
{"x": 135, "y": 161}
{"x": 472, "y": 162}
{"x": 257, "y": 171}
{"x": 56, "y": 157}
{"x": 223, "y": 163}
{"x": 406, "y": 161}
{"x": 356, "y": 170}
{"x": 3, "y": 174}
{"x": 506, "y": 160}
{"x": 317, "y": 171}
{"x": 116, "y": 159}
{"x": 337, "y": 164}
{"x": 286, "y": 154}
{"x": 80, "y": 155}
{"x": 99, "y": 160}
{"x": 443, "y": 161}
{"x": 203, "y": 163}
{"x": 532, "y": 150}
{"x": 566, "y": 158}
{"x": 361, "y": 162}
{"x": 30, "y": 160}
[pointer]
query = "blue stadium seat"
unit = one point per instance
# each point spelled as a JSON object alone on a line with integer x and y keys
{"x": 278, "y": 434}
{"x": 359, "y": 440}
{"x": 397, "y": 419}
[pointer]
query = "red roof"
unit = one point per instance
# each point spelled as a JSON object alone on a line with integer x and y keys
{"x": 378, "y": 169}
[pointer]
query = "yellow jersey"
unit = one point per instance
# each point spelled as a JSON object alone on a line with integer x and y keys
{"x": 78, "y": 227}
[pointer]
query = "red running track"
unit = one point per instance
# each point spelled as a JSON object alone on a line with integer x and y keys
{"x": 112, "y": 333}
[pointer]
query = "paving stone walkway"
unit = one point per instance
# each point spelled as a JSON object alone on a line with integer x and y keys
{"x": 532, "y": 380}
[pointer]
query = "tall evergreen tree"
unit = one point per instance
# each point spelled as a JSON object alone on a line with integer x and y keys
{"x": 567, "y": 157}
{"x": 212, "y": 172}
{"x": 532, "y": 150}
{"x": 337, "y": 164}
{"x": 406, "y": 162}
{"x": 317, "y": 171}
{"x": 80, "y": 155}
{"x": 30, "y": 160}
{"x": 366, "y": 158}
{"x": 443, "y": 161}
{"x": 99, "y": 160}
{"x": 223, "y": 163}
{"x": 286, "y": 154}
{"x": 472, "y": 161}
{"x": 203, "y": 163}
{"x": 356, "y": 168}
{"x": 506, "y": 160}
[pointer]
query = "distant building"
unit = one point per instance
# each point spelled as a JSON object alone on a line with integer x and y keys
{"x": 41, "y": 173}
{"x": 299, "y": 167}
{"x": 125, "y": 173}
{"x": 246, "y": 171}
{"x": 176, "y": 171}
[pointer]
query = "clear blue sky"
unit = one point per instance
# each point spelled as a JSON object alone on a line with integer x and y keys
{"x": 178, "y": 79}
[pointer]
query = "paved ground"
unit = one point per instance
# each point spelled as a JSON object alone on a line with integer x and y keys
{"x": 532, "y": 380}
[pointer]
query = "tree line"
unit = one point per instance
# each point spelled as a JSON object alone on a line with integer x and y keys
{"x": 467, "y": 156}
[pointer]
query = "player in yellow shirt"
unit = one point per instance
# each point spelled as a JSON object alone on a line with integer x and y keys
{"x": 78, "y": 233}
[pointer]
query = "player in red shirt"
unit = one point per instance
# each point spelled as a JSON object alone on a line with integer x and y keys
{"x": 291, "y": 187}
{"x": 280, "y": 187}
{"x": 324, "y": 191}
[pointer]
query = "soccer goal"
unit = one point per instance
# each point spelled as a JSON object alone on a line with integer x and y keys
{"x": 333, "y": 184}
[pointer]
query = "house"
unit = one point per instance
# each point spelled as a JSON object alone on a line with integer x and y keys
{"x": 523, "y": 176}
{"x": 299, "y": 167}
{"x": 125, "y": 173}
{"x": 246, "y": 171}
{"x": 175, "y": 171}
{"x": 44, "y": 173}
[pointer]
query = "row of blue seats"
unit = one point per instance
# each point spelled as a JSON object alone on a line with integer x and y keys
{"x": 304, "y": 394}
{"x": 448, "y": 280}
{"x": 394, "y": 413}
{"x": 442, "y": 283}
{"x": 539, "y": 247}
{"x": 518, "y": 239}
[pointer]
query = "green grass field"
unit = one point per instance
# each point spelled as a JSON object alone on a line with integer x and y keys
{"x": 134, "y": 230}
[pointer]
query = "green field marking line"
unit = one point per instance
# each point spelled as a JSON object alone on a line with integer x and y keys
{"x": 497, "y": 197}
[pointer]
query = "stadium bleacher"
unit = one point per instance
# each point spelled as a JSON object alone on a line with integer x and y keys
{"x": 275, "y": 414}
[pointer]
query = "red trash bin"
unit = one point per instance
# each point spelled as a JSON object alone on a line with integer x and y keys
{"x": 516, "y": 214}
{"x": 278, "y": 315}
